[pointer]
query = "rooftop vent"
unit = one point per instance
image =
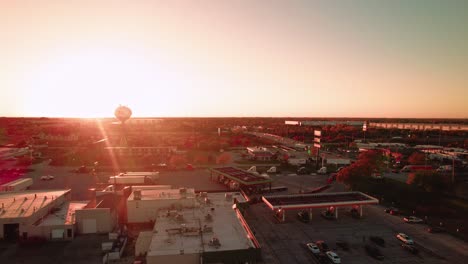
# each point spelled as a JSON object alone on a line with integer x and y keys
{"x": 214, "y": 242}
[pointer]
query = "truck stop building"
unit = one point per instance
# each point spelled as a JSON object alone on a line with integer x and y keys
{"x": 233, "y": 175}
{"x": 281, "y": 203}
{"x": 211, "y": 230}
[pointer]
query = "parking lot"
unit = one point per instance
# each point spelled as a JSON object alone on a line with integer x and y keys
{"x": 285, "y": 242}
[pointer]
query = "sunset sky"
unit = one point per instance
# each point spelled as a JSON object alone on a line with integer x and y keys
{"x": 234, "y": 58}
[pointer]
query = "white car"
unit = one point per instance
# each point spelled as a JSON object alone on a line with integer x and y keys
{"x": 333, "y": 257}
{"x": 47, "y": 177}
{"x": 412, "y": 219}
{"x": 313, "y": 248}
{"x": 405, "y": 238}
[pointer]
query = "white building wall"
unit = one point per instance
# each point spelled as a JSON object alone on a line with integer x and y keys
{"x": 141, "y": 211}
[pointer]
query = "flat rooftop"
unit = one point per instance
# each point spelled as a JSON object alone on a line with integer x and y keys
{"x": 64, "y": 216}
{"x": 301, "y": 201}
{"x": 162, "y": 194}
{"x": 241, "y": 176}
{"x": 26, "y": 203}
{"x": 173, "y": 235}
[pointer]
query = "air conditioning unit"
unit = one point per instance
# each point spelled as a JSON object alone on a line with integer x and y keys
{"x": 137, "y": 194}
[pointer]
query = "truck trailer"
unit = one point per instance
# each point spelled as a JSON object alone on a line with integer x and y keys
{"x": 153, "y": 175}
{"x": 17, "y": 185}
{"x": 129, "y": 180}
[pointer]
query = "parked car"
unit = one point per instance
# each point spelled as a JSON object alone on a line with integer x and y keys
{"x": 355, "y": 213}
{"x": 328, "y": 215}
{"x": 313, "y": 248}
{"x": 413, "y": 220}
{"x": 303, "y": 216}
{"x": 302, "y": 170}
{"x": 377, "y": 240}
{"x": 47, "y": 177}
{"x": 82, "y": 169}
{"x": 322, "y": 245}
{"x": 374, "y": 252}
{"x": 333, "y": 257}
{"x": 405, "y": 238}
{"x": 435, "y": 229}
{"x": 392, "y": 211}
{"x": 410, "y": 248}
{"x": 342, "y": 244}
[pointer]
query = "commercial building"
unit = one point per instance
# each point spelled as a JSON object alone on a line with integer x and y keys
{"x": 50, "y": 215}
{"x": 142, "y": 208}
{"x": 281, "y": 203}
{"x": 420, "y": 126}
{"x": 324, "y": 123}
{"x": 210, "y": 230}
{"x": 139, "y": 151}
{"x": 235, "y": 178}
{"x": 259, "y": 153}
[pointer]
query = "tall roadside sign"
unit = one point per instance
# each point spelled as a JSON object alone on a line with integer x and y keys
{"x": 317, "y": 144}
{"x": 364, "y": 129}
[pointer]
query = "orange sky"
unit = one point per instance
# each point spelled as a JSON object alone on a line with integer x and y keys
{"x": 233, "y": 58}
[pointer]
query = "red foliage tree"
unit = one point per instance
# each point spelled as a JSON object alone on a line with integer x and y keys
{"x": 224, "y": 158}
{"x": 417, "y": 158}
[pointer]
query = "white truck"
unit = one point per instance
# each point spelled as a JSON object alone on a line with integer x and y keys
{"x": 322, "y": 170}
{"x": 296, "y": 161}
{"x": 128, "y": 180}
{"x": 17, "y": 185}
{"x": 153, "y": 175}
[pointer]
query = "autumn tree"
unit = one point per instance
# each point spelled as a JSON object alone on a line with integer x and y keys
{"x": 224, "y": 158}
{"x": 417, "y": 158}
{"x": 367, "y": 163}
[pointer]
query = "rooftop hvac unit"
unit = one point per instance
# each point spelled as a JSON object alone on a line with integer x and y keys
{"x": 137, "y": 194}
{"x": 207, "y": 201}
{"x": 228, "y": 196}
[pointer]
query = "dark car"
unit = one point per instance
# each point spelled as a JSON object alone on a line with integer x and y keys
{"x": 410, "y": 248}
{"x": 322, "y": 245}
{"x": 374, "y": 252}
{"x": 302, "y": 170}
{"x": 355, "y": 213}
{"x": 392, "y": 211}
{"x": 435, "y": 229}
{"x": 342, "y": 244}
{"x": 82, "y": 169}
{"x": 328, "y": 215}
{"x": 377, "y": 240}
{"x": 303, "y": 216}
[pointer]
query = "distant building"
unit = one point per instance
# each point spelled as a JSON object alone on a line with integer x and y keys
{"x": 140, "y": 151}
{"x": 420, "y": 126}
{"x": 324, "y": 123}
{"x": 7, "y": 153}
{"x": 259, "y": 153}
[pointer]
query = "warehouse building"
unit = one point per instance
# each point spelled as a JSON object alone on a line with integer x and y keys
{"x": 210, "y": 230}
{"x": 51, "y": 215}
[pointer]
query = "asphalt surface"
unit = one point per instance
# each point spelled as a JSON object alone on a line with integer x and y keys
{"x": 285, "y": 242}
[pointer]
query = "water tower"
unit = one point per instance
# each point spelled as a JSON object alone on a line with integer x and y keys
{"x": 123, "y": 113}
